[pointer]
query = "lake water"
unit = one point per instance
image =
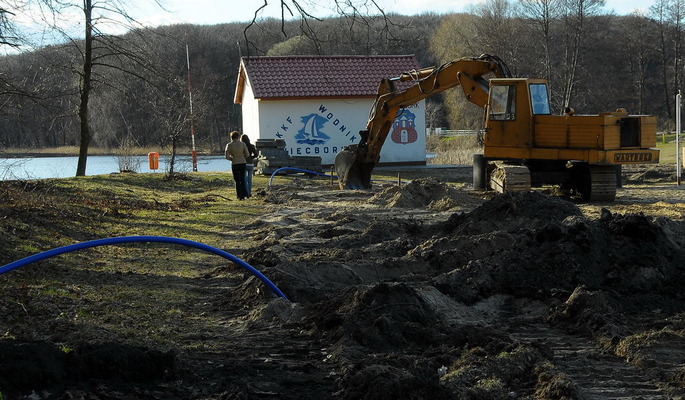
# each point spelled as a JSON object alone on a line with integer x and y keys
{"x": 64, "y": 167}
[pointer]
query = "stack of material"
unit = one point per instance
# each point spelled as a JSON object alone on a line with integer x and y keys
{"x": 273, "y": 155}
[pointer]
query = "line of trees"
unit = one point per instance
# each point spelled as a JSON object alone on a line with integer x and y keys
{"x": 594, "y": 60}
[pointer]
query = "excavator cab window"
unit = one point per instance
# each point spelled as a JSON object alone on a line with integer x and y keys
{"x": 539, "y": 98}
{"x": 503, "y": 103}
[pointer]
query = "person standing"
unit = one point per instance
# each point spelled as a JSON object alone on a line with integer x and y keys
{"x": 249, "y": 166}
{"x": 237, "y": 153}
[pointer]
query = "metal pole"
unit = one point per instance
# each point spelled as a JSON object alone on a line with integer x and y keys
{"x": 678, "y": 105}
{"x": 190, "y": 97}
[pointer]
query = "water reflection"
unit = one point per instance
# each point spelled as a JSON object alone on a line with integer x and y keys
{"x": 64, "y": 167}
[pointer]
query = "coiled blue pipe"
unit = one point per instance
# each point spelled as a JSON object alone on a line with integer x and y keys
{"x": 145, "y": 239}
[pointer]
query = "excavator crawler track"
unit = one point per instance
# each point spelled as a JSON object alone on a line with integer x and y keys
{"x": 509, "y": 178}
{"x": 595, "y": 373}
{"x": 596, "y": 182}
{"x": 602, "y": 183}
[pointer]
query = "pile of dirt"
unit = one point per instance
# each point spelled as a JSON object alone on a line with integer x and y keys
{"x": 512, "y": 211}
{"x": 651, "y": 173}
{"x": 424, "y": 193}
{"x": 427, "y": 317}
{"x": 531, "y": 244}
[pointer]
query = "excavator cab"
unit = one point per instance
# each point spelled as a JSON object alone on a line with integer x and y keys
{"x": 513, "y": 104}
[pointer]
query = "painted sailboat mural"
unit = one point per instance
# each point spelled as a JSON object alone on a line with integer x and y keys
{"x": 311, "y": 133}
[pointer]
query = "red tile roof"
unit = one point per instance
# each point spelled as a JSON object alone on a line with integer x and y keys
{"x": 319, "y": 76}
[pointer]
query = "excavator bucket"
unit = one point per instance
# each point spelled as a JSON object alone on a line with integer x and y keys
{"x": 351, "y": 168}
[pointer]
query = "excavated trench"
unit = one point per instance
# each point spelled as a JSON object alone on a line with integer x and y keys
{"x": 432, "y": 291}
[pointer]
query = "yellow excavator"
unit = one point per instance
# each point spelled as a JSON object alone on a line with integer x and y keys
{"x": 524, "y": 145}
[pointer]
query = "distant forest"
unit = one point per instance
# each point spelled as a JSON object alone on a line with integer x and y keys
{"x": 594, "y": 60}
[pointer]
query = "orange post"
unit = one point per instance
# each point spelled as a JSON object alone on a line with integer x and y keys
{"x": 153, "y": 160}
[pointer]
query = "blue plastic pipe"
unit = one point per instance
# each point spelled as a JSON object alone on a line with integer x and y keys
{"x": 144, "y": 239}
{"x": 298, "y": 170}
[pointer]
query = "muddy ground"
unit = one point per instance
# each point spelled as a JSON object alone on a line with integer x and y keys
{"x": 424, "y": 291}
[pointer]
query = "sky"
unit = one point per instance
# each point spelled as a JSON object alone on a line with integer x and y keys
{"x": 220, "y": 11}
{"x": 211, "y": 12}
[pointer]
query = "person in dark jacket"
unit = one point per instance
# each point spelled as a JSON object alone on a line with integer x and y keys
{"x": 249, "y": 166}
{"x": 237, "y": 153}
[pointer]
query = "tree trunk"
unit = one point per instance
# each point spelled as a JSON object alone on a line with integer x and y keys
{"x": 575, "y": 20}
{"x": 85, "y": 90}
{"x": 172, "y": 161}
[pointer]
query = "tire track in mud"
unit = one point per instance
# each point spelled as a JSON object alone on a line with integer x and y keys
{"x": 596, "y": 374}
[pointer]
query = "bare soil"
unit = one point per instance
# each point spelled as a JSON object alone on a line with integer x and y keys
{"x": 427, "y": 290}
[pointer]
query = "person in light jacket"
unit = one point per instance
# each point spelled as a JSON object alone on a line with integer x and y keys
{"x": 249, "y": 167}
{"x": 236, "y": 151}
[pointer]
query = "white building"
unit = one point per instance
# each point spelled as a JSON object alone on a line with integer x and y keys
{"x": 318, "y": 104}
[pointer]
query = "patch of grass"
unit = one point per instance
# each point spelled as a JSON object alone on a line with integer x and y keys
{"x": 66, "y": 349}
{"x": 668, "y": 151}
{"x": 132, "y": 291}
{"x": 455, "y": 150}
{"x": 490, "y": 384}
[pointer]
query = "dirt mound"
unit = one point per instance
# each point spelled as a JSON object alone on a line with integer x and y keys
{"x": 27, "y": 364}
{"x": 409, "y": 307}
{"x": 531, "y": 244}
{"x": 393, "y": 341}
{"x": 587, "y": 312}
{"x": 511, "y": 211}
{"x": 424, "y": 193}
{"x": 379, "y": 381}
{"x": 385, "y": 316}
{"x": 653, "y": 173}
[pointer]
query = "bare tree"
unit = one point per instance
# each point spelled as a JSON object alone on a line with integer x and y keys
{"x": 541, "y": 14}
{"x": 676, "y": 11}
{"x": 97, "y": 49}
{"x": 488, "y": 28}
{"x": 495, "y": 27}
{"x": 457, "y": 37}
{"x": 575, "y": 24}
{"x": 8, "y": 33}
{"x": 353, "y": 12}
{"x": 659, "y": 12}
{"x": 639, "y": 31}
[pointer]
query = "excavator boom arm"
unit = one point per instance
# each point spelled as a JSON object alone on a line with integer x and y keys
{"x": 430, "y": 81}
{"x": 355, "y": 163}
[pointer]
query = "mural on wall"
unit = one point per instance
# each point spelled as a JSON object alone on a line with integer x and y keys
{"x": 323, "y": 129}
{"x": 315, "y": 131}
{"x": 404, "y": 128}
{"x": 311, "y": 132}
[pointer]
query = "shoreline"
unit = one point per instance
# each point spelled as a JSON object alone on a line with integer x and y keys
{"x": 95, "y": 153}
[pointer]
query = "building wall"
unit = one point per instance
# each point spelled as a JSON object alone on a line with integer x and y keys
{"x": 323, "y": 127}
{"x": 250, "y": 113}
